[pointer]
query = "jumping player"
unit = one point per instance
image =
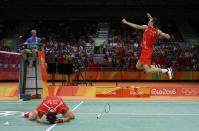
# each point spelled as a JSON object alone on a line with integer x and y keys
{"x": 50, "y": 107}
{"x": 151, "y": 32}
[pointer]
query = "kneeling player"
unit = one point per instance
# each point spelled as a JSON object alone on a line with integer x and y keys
{"x": 50, "y": 107}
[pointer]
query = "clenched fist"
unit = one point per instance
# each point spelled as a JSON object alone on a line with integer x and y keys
{"x": 124, "y": 21}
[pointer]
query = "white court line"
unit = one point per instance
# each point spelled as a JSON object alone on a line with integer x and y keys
{"x": 51, "y": 127}
{"x": 77, "y": 106}
{"x": 179, "y": 102}
{"x": 12, "y": 53}
{"x": 141, "y": 114}
{"x": 72, "y": 110}
{"x": 8, "y": 113}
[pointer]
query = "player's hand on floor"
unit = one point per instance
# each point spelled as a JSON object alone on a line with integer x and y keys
{"x": 60, "y": 120}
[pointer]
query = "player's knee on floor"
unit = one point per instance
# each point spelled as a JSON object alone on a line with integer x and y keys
{"x": 26, "y": 114}
{"x": 30, "y": 115}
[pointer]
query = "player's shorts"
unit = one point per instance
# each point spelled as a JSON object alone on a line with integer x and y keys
{"x": 146, "y": 56}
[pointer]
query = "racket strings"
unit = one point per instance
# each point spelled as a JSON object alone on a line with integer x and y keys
{"x": 107, "y": 109}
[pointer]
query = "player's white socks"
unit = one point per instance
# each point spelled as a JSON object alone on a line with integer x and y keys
{"x": 164, "y": 70}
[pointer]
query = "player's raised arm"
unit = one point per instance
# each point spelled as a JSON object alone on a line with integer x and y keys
{"x": 164, "y": 35}
{"x": 135, "y": 26}
{"x": 149, "y": 16}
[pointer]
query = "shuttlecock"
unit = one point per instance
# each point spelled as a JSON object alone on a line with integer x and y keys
{"x": 6, "y": 123}
{"x": 98, "y": 116}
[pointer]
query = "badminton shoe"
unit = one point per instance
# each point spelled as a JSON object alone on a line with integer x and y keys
{"x": 170, "y": 73}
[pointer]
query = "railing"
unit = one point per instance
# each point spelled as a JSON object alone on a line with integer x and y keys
{"x": 128, "y": 74}
{"x": 9, "y": 70}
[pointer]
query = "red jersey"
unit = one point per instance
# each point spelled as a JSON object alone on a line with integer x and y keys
{"x": 149, "y": 37}
{"x": 52, "y": 102}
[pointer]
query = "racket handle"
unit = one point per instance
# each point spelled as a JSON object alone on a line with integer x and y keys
{"x": 99, "y": 115}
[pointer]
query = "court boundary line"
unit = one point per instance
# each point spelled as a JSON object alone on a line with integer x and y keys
{"x": 51, "y": 127}
{"x": 8, "y": 52}
{"x": 133, "y": 114}
{"x": 8, "y": 113}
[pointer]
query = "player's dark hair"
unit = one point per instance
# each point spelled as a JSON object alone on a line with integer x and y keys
{"x": 155, "y": 22}
{"x": 51, "y": 117}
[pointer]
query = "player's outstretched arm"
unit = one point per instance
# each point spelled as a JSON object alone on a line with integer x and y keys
{"x": 39, "y": 120}
{"x": 135, "y": 26}
{"x": 164, "y": 35}
{"x": 69, "y": 115}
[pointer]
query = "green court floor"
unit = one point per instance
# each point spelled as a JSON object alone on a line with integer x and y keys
{"x": 128, "y": 115}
